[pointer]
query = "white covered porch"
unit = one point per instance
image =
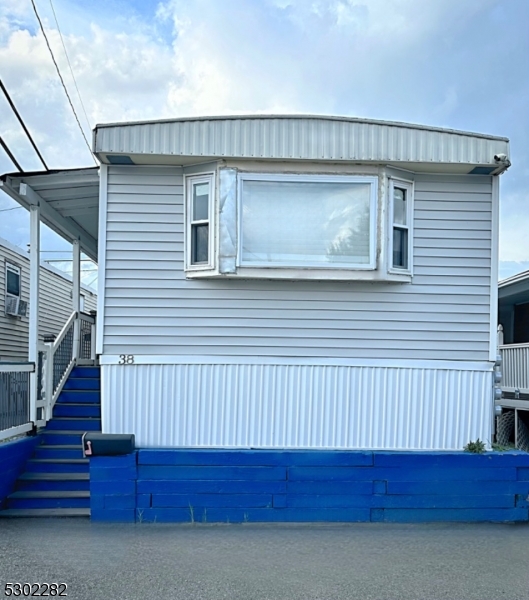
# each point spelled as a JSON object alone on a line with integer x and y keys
{"x": 67, "y": 202}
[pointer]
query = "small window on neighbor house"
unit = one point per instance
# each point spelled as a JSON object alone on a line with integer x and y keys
{"x": 199, "y": 201}
{"x": 81, "y": 302}
{"x": 401, "y": 198}
{"x": 12, "y": 280}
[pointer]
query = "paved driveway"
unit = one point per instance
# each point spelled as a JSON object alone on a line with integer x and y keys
{"x": 276, "y": 562}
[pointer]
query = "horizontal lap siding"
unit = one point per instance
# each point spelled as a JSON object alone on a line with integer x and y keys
{"x": 55, "y": 306}
{"x": 150, "y": 308}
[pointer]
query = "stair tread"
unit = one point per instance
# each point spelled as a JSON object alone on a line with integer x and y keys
{"x": 70, "y": 404}
{"x": 62, "y": 432}
{"x": 51, "y": 494}
{"x": 45, "y": 512}
{"x": 76, "y": 418}
{"x": 60, "y": 447}
{"x": 75, "y": 461}
{"x": 55, "y": 476}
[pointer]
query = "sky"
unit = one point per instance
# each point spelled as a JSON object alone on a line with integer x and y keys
{"x": 461, "y": 64}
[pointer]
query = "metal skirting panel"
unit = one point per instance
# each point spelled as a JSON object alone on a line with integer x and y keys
{"x": 293, "y": 406}
{"x": 299, "y": 137}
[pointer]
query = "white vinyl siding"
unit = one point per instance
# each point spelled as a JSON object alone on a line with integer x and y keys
{"x": 151, "y": 309}
{"x": 54, "y": 310}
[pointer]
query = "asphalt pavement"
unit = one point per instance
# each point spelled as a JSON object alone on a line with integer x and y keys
{"x": 371, "y": 561}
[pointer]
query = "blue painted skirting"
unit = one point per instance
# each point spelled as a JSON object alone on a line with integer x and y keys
{"x": 189, "y": 485}
{"x": 13, "y": 458}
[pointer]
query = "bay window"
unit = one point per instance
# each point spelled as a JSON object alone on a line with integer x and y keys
{"x": 298, "y": 226}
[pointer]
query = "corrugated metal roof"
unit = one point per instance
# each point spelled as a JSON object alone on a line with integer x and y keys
{"x": 298, "y": 137}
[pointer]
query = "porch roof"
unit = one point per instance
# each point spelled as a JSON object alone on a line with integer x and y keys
{"x": 68, "y": 200}
{"x": 515, "y": 289}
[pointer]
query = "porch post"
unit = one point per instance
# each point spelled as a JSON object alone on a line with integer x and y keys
{"x": 76, "y": 294}
{"x": 34, "y": 276}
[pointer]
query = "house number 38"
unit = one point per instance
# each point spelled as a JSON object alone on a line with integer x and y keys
{"x": 126, "y": 359}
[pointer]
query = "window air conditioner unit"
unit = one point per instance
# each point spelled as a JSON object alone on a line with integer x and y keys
{"x": 15, "y": 306}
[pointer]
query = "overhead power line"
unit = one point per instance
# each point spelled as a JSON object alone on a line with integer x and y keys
{"x": 62, "y": 80}
{"x": 10, "y": 154}
{"x": 12, "y": 104}
{"x": 70, "y": 65}
{"x": 6, "y": 209}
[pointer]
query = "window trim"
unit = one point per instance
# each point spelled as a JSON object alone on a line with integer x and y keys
{"x": 15, "y": 269}
{"x": 189, "y": 182}
{"x": 310, "y": 178}
{"x": 408, "y": 186}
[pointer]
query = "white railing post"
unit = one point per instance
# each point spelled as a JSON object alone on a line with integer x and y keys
{"x": 500, "y": 335}
{"x": 34, "y": 272}
{"x": 93, "y": 341}
{"x": 48, "y": 388}
{"x": 76, "y": 295}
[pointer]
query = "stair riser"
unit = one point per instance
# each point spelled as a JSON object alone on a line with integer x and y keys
{"x": 82, "y": 425}
{"x": 57, "y": 438}
{"x": 86, "y": 372}
{"x": 43, "y": 452}
{"x": 82, "y": 384}
{"x": 52, "y": 486}
{"x": 48, "y": 503}
{"x": 33, "y": 467}
{"x": 68, "y": 410}
{"x": 79, "y": 397}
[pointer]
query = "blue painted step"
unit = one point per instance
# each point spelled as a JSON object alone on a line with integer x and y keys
{"x": 79, "y": 396}
{"x": 59, "y": 451}
{"x": 57, "y": 480}
{"x": 76, "y": 410}
{"x": 61, "y": 465}
{"x": 59, "y": 484}
{"x": 40, "y": 502}
{"x": 72, "y": 424}
{"x": 82, "y": 383}
{"x": 85, "y": 372}
{"x": 58, "y": 437}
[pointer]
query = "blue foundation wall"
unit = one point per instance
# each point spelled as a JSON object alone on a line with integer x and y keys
{"x": 235, "y": 486}
{"x": 13, "y": 458}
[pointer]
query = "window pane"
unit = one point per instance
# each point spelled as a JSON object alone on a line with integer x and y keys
{"x": 306, "y": 223}
{"x": 199, "y": 243}
{"x": 13, "y": 283}
{"x": 400, "y": 248}
{"x": 200, "y": 201}
{"x": 399, "y": 206}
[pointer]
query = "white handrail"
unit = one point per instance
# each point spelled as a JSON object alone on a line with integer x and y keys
{"x": 53, "y": 374}
{"x": 64, "y": 330}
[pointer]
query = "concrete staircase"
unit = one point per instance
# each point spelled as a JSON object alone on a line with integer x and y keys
{"x": 56, "y": 482}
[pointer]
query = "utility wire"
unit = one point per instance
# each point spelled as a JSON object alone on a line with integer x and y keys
{"x": 62, "y": 80}
{"x": 6, "y": 209}
{"x": 10, "y": 154}
{"x": 11, "y": 103}
{"x": 70, "y": 65}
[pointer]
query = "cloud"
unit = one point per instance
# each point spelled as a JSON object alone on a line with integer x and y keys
{"x": 386, "y": 59}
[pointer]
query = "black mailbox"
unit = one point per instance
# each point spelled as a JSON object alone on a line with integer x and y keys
{"x": 107, "y": 444}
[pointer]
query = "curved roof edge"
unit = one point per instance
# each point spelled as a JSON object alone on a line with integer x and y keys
{"x": 295, "y": 116}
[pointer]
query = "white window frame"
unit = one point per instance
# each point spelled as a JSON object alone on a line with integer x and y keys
{"x": 189, "y": 182}
{"x": 408, "y": 186}
{"x": 307, "y": 178}
{"x": 15, "y": 269}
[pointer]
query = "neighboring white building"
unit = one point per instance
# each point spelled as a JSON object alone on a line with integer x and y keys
{"x": 289, "y": 281}
{"x": 55, "y": 304}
